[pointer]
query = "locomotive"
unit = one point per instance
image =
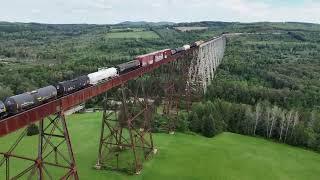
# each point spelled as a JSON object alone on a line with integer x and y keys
{"x": 15, "y": 104}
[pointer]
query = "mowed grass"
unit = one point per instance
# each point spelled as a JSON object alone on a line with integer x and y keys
{"x": 134, "y": 35}
{"x": 180, "y": 156}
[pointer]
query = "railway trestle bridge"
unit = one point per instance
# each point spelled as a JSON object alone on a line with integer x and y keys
{"x": 129, "y": 105}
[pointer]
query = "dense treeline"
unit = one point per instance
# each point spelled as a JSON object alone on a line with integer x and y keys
{"x": 300, "y": 128}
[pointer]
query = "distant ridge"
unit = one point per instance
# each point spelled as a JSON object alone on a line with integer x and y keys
{"x": 140, "y": 23}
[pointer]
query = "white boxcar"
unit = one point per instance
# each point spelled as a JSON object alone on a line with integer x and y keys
{"x": 102, "y": 74}
{"x": 186, "y": 47}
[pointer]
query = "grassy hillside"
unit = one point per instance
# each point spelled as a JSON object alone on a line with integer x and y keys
{"x": 181, "y": 156}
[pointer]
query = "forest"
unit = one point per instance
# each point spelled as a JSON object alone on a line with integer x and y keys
{"x": 268, "y": 84}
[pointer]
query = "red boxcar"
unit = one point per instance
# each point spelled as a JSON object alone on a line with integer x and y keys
{"x": 166, "y": 53}
{"x": 145, "y": 59}
{"x": 157, "y": 56}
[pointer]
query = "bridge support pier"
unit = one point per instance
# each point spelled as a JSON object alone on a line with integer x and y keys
{"x": 53, "y": 160}
{"x": 171, "y": 106}
{"x": 126, "y": 138}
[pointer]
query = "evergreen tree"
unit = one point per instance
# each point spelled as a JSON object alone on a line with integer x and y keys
{"x": 195, "y": 123}
{"x": 208, "y": 129}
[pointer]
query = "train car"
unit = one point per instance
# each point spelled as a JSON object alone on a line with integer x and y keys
{"x": 167, "y": 53}
{"x": 19, "y": 102}
{"x": 70, "y": 86}
{"x": 186, "y": 47}
{"x": 125, "y": 67}
{"x": 197, "y": 43}
{"x": 146, "y": 59}
{"x": 158, "y": 56}
{"x": 162, "y": 54}
{"x": 179, "y": 49}
{"x": 102, "y": 74}
{"x": 3, "y": 109}
{"x": 45, "y": 93}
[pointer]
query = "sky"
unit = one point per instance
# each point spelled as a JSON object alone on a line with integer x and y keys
{"x": 115, "y": 11}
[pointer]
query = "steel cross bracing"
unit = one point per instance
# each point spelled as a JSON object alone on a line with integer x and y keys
{"x": 205, "y": 63}
{"x": 54, "y": 157}
{"x": 126, "y": 139}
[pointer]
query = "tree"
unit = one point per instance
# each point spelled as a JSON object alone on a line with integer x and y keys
{"x": 32, "y": 130}
{"x": 208, "y": 129}
{"x": 195, "y": 123}
{"x": 250, "y": 118}
{"x": 289, "y": 121}
{"x": 182, "y": 124}
{"x": 257, "y": 117}
{"x": 5, "y": 92}
{"x": 274, "y": 115}
{"x": 282, "y": 124}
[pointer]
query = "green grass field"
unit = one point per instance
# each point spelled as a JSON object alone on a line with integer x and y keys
{"x": 134, "y": 35}
{"x": 180, "y": 156}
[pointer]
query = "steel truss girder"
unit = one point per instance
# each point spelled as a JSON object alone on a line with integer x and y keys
{"x": 51, "y": 153}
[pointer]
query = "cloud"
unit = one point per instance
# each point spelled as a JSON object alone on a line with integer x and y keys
{"x": 35, "y": 11}
{"x": 113, "y": 11}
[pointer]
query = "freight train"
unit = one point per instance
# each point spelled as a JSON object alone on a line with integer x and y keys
{"x": 18, "y": 103}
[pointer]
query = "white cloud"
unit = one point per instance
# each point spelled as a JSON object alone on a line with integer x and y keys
{"x": 112, "y": 11}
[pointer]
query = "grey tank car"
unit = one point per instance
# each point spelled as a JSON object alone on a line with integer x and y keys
{"x": 19, "y": 102}
{"x": 44, "y": 94}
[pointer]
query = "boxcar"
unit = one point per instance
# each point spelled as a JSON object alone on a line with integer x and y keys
{"x": 167, "y": 53}
{"x": 19, "y": 102}
{"x": 162, "y": 54}
{"x": 125, "y": 67}
{"x": 145, "y": 59}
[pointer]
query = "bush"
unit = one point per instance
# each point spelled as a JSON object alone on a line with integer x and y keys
{"x": 32, "y": 130}
{"x": 182, "y": 123}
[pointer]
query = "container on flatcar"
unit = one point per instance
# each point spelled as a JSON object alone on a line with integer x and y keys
{"x": 125, "y": 67}
{"x": 69, "y": 86}
{"x": 186, "y": 47}
{"x": 45, "y": 93}
{"x": 2, "y": 108}
{"x": 102, "y": 74}
{"x": 19, "y": 102}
